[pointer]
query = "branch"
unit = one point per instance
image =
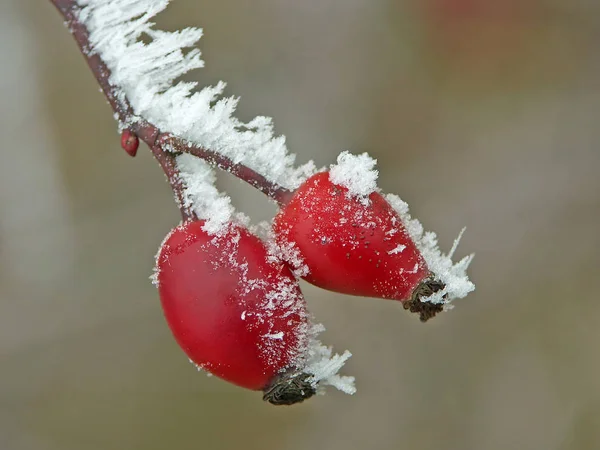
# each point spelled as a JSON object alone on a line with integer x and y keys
{"x": 164, "y": 145}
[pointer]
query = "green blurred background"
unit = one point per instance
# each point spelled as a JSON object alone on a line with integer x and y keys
{"x": 482, "y": 113}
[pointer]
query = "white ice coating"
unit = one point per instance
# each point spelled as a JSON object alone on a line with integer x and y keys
{"x": 356, "y": 173}
{"x": 200, "y": 194}
{"x": 453, "y": 275}
{"x": 145, "y": 74}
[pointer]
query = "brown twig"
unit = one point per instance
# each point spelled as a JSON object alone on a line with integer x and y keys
{"x": 163, "y": 144}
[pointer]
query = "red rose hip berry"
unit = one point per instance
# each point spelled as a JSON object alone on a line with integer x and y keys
{"x": 234, "y": 312}
{"x": 355, "y": 247}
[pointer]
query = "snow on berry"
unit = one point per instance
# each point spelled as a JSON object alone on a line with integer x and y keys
{"x": 356, "y": 173}
{"x": 399, "y": 249}
{"x": 452, "y": 275}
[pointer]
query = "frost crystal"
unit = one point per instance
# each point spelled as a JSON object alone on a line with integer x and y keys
{"x": 399, "y": 249}
{"x": 201, "y": 195}
{"x": 324, "y": 366}
{"x": 144, "y": 74}
{"x": 453, "y": 275}
{"x": 355, "y": 172}
{"x": 288, "y": 252}
{"x": 313, "y": 357}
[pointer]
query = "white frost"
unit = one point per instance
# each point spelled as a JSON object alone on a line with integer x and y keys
{"x": 277, "y": 336}
{"x": 399, "y": 249}
{"x": 288, "y": 252}
{"x": 453, "y": 275}
{"x": 324, "y": 365}
{"x": 201, "y": 195}
{"x": 144, "y": 74}
{"x": 355, "y": 172}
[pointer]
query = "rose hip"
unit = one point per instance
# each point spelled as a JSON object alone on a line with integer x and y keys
{"x": 354, "y": 247}
{"x": 235, "y": 312}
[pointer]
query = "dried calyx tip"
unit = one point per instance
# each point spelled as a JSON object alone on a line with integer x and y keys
{"x": 289, "y": 388}
{"x": 426, "y": 288}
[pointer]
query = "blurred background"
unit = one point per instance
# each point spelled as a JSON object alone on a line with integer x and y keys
{"x": 481, "y": 113}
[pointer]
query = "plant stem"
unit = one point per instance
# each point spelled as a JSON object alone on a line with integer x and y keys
{"x": 164, "y": 145}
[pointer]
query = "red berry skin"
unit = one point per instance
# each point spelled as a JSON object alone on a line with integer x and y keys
{"x": 234, "y": 313}
{"x": 347, "y": 246}
{"x": 130, "y": 142}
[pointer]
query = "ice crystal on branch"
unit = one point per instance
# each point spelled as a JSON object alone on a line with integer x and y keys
{"x": 145, "y": 73}
{"x": 200, "y": 194}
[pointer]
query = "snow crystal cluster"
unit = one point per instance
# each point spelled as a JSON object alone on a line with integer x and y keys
{"x": 453, "y": 275}
{"x": 200, "y": 194}
{"x": 357, "y": 173}
{"x": 145, "y": 74}
{"x": 324, "y": 366}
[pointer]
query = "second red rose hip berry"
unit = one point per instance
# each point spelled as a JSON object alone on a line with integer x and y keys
{"x": 235, "y": 313}
{"x": 355, "y": 247}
